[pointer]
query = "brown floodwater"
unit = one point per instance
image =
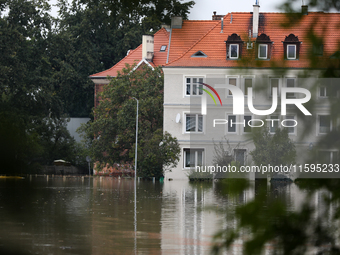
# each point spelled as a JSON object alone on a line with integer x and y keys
{"x": 97, "y": 215}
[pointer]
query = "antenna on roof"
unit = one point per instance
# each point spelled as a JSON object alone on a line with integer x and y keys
{"x": 221, "y": 25}
{"x": 303, "y": 2}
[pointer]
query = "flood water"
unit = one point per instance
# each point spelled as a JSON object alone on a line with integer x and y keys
{"x": 77, "y": 215}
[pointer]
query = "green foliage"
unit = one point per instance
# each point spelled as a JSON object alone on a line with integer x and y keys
{"x": 155, "y": 153}
{"x": 276, "y": 150}
{"x": 92, "y": 36}
{"x": 112, "y": 133}
{"x": 200, "y": 175}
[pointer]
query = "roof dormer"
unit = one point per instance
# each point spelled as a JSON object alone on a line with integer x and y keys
{"x": 234, "y": 46}
{"x": 291, "y": 47}
{"x": 263, "y": 47}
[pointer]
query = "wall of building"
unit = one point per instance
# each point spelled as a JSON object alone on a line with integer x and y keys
{"x": 177, "y": 102}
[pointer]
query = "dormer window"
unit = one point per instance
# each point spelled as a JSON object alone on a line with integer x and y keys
{"x": 199, "y": 54}
{"x": 233, "y": 51}
{"x": 264, "y": 46}
{"x": 234, "y": 46}
{"x": 263, "y": 51}
{"x": 291, "y": 51}
{"x": 291, "y": 47}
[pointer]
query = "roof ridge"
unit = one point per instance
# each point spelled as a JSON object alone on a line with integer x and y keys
{"x": 185, "y": 52}
{"x": 96, "y": 74}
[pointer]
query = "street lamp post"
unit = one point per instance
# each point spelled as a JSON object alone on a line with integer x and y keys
{"x": 136, "y": 138}
{"x": 135, "y": 223}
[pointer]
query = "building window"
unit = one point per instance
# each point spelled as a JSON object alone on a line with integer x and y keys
{"x": 246, "y": 128}
{"x": 193, "y": 123}
{"x": 328, "y": 157}
{"x": 233, "y": 51}
{"x": 231, "y": 124}
{"x": 290, "y": 123}
{"x": 325, "y": 124}
{"x": 193, "y": 86}
{"x": 163, "y": 48}
{"x": 323, "y": 92}
{"x": 291, "y": 46}
{"x": 291, "y": 51}
{"x": 193, "y": 157}
{"x": 290, "y": 83}
{"x": 318, "y": 49}
{"x": 263, "y": 51}
{"x": 199, "y": 54}
{"x": 247, "y": 83}
{"x": 233, "y": 82}
{"x": 273, "y": 123}
{"x": 240, "y": 155}
{"x": 274, "y": 83}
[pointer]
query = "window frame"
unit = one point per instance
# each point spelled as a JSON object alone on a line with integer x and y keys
{"x": 286, "y": 83}
{"x": 244, "y": 155}
{"x": 278, "y": 88}
{"x": 269, "y": 122}
{"x": 191, "y": 77}
{"x": 319, "y": 92}
{"x": 237, "y": 51}
{"x": 295, "y": 53}
{"x": 318, "y": 122}
{"x": 161, "y": 49}
{"x": 196, "y": 150}
{"x": 294, "y": 128}
{"x": 227, "y": 91}
{"x": 196, "y": 123}
{"x": 244, "y": 78}
{"x": 331, "y": 156}
{"x": 227, "y": 126}
{"x": 243, "y": 129}
{"x": 259, "y": 51}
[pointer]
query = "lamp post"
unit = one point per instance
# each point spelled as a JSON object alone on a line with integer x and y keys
{"x": 136, "y": 139}
{"x": 135, "y": 223}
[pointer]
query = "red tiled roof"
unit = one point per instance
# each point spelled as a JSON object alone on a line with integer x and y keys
{"x": 161, "y": 37}
{"x": 191, "y": 31}
{"x": 206, "y": 36}
{"x": 325, "y": 25}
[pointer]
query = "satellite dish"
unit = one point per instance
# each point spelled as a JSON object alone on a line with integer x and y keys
{"x": 178, "y": 118}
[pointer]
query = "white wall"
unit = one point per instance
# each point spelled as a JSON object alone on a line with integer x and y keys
{"x": 176, "y": 101}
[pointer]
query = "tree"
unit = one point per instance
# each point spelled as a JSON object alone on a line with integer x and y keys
{"x": 277, "y": 149}
{"x": 92, "y": 36}
{"x": 112, "y": 133}
{"x": 30, "y": 108}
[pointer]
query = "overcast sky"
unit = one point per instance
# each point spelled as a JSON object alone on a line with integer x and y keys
{"x": 203, "y": 9}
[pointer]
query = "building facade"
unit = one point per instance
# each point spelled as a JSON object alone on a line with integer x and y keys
{"x": 274, "y": 54}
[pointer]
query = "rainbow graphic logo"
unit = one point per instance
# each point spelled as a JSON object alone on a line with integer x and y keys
{"x": 204, "y": 99}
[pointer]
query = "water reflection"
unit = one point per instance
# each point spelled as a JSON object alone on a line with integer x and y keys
{"x": 77, "y": 215}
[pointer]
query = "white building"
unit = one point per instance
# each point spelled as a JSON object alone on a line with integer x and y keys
{"x": 248, "y": 50}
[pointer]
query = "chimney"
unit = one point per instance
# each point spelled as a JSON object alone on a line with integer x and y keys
{"x": 176, "y": 22}
{"x": 256, "y": 8}
{"x": 147, "y": 47}
{"x": 304, "y": 9}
